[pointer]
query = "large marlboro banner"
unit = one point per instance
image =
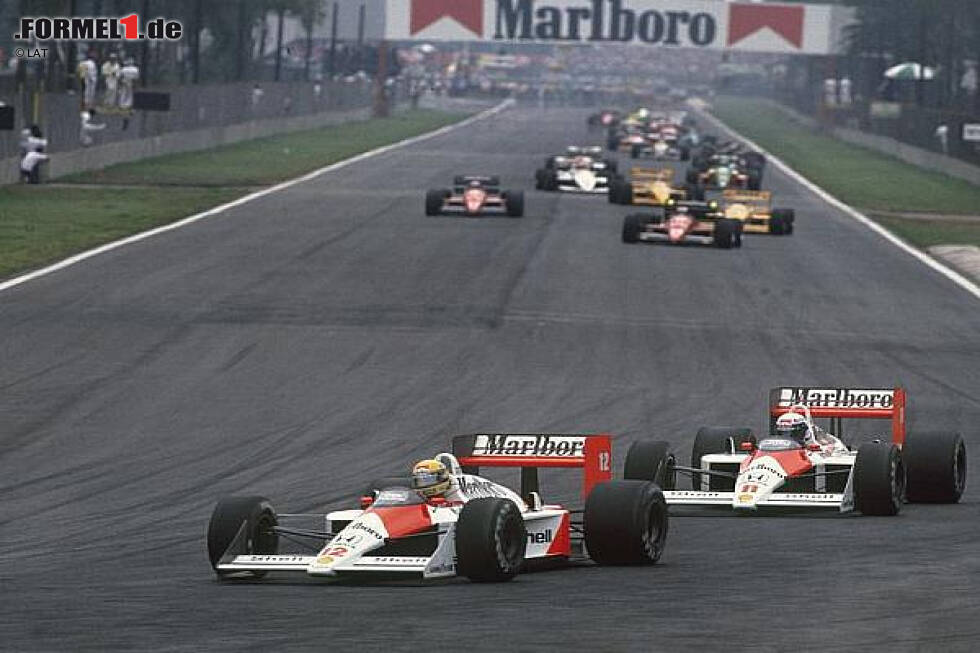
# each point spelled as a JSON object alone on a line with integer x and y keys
{"x": 786, "y": 28}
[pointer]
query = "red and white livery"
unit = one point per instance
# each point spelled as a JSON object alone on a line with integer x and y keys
{"x": 810, "y": 467}
{"x": 479, "y": 528}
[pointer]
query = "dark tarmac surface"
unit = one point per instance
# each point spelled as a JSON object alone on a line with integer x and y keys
{"x": 318, "y": 337}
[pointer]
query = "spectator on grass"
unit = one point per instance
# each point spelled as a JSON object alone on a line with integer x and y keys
{"x": 257, "y": 94}
{"x": 110, "y": 73}
{"x": 942, "y": 135}
{"x": 88, "y": 75}
{"x": 87, "y": 127}
{"x": 128, "y": 75}
{"x": 32, "y": 144}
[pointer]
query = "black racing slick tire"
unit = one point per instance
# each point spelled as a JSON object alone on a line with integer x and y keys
{"x": 781, "y": 222}
{"x": 727, "y": 234}
{"x": 434, "y": 200}
{"x": 650, "y": 460}
{"x": 935, "y": 467}
{"x": 258, "y": 517}
{"x": 539, "y": 178}
{"x": 694, "y": 191}
{"x": 626, "y": 523}
{"x": 490, "y": 540}
{"x": 717, "y": 440}
{"x": 632, "y": 226}
{"x": 879, "y": 479}
{"x": 514, "y": 201}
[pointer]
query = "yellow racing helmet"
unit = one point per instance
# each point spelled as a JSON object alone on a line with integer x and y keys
{"x": 430, "y": 478}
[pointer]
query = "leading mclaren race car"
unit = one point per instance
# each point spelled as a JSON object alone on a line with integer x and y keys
{"x": 579, "y": 170}
{"x": 475, "y": 195}
{"x": 801, "y": 465}
{"x": 447, "y": 520}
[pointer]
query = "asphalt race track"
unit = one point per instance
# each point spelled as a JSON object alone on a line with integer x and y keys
{"x": 319, "y": 337}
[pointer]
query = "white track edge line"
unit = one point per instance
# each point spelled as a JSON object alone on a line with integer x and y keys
{"x": 143, "y": 235}
{"x": 948, "y": 272}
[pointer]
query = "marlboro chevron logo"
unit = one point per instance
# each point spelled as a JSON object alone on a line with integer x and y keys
{"x": 745, "y": 21}
{"x": 678, "y": 23}
{"x": 836, "y": 398}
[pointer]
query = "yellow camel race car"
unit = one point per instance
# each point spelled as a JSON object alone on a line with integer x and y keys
{"x": 652, "y": 187}
{"x": 754, "y": 210}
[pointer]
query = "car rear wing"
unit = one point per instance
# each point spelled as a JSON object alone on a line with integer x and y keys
{"x": 486, "y": 180}
{"x": 530, "y": 451}
{"x": 748, "y": 196}
{"x": 838, "y": 403}
{"x": 652, "y": 174}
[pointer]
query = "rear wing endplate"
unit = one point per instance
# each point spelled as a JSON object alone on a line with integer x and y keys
{"x": 530, "y": 451}
{"x": 860, "y": 403}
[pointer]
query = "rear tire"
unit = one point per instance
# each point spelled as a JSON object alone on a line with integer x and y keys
{"x": 632, "y": 226}
{"x": 716, "y": 440}
{"x": 490, "y": 540}
{"x": 620, "y": 191}
{"x": 514, "y": 201}
{"x": 879, "y": 479}
{"x": 650, "y": 460}
{"x": 434, "y": 200}
{"x": 626, "y": 523}
{"x": 935, "y": 466}
{"x": 226, "y": 520}
{"x": 694, "y": 192}
{"x": 541, "y": 178}
{"x": 781, "y": 222}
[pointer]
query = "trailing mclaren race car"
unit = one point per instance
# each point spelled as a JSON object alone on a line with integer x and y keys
{"x": 447, "y": 520}
{"x": 651, "y": 187}
{"x": 579, "y": 170}
{"x": 683, "y": 222}
{"x": 475, "y": 195}
{"x": 754, "y": 210}
{"x": 801, "y": 465}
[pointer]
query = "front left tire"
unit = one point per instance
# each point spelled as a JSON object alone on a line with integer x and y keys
{"x": 490, "y": 540}
{"x": 228, "y": 518}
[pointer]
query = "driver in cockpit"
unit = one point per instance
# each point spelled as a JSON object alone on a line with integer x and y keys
{"x": 794, "y": 426}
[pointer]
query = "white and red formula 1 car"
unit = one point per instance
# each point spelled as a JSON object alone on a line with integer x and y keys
{"x": 487, "y": 532}
{"x": 731, "y": 468}
{"x": 474, "y": 195}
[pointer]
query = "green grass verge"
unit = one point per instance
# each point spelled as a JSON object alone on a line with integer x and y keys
{"x": 42, "y": 224}
{"x": 858, "y": 176}
{"x": 926, "y": 233}
{"x": 39, "y": 225}
{"x": 266, "y": 161}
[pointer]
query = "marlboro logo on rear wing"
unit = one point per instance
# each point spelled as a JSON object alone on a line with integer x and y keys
{"x": 860, "y": 403}
{"x": 529, "y": 451}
